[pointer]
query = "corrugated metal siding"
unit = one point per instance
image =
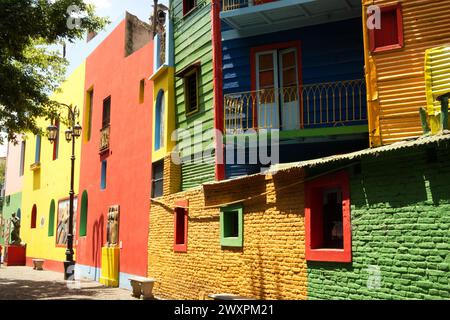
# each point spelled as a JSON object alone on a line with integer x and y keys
{"x": 330, "y": 52}
{"x": 439, "y": 72}
{"x": 401, "y": 82}
{"x": 195, "y": 174}
{"x": 192, "y": 42}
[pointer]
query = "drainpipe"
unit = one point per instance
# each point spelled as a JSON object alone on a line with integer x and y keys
{"x": 218, "y": 89}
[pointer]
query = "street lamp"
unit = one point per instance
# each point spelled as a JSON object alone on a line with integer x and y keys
{"x": 71, "y": 134}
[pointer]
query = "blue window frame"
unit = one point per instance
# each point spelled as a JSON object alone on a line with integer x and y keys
{"x": 103, "y": 175}
{"x": 37, "y": 155}
{"x": 159, "y": 120}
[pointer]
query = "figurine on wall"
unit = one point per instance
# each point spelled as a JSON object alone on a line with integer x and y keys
{"x": 15, "y": 233}
{"x": 112, "y": 227}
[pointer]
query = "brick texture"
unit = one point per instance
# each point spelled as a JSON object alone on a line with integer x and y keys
{"x": 172, "y": 176}
{"x": 400, "y": 210}
{"x": 271, "y": 264}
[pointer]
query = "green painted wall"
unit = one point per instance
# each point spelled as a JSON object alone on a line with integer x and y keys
{"x": 192, "y": 43}
{"x": 400, "y": 211}
{"x": 15, "y": 203}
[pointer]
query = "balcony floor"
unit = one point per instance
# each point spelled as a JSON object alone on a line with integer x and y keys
{"x": 283, "y": 15}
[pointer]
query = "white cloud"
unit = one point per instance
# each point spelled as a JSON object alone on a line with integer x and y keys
{"x": 100, "y": 4}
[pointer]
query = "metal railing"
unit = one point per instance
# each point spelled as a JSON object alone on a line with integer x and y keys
{"x": 293, "y": 108}
{"x": 104, "y": 138}
{"x": 228, "y": 5}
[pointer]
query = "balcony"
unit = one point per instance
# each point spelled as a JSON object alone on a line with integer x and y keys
{"x": 104, "y": 139}
{"x": 252, "y": 17}
{"x": 332, "y": 104}
{"x": 35, "y": 166}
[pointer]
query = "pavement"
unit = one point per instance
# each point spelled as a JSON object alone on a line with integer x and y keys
{"x": 24, "y": 283}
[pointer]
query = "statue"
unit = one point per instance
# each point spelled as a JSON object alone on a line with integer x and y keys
{"x": 112, "y": 227}
{"x": 15, "y": 238}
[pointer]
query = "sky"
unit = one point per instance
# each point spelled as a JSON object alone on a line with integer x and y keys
{"x": 114, "y": 9}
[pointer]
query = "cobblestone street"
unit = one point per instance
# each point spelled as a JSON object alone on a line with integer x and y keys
{"x": 24, "y": 283}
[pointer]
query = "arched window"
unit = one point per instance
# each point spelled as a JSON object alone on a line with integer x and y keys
{"x": 33, "y": 217}
{"x": 159, "y": 120}
{"x": 51, "y": 219}
{"x": 83, "y": 214}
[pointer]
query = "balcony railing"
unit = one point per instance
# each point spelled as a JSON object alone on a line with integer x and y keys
{"x": 294, "y": 108}
{"x": 104, "y": 138}
{"x": 228, "y": 5}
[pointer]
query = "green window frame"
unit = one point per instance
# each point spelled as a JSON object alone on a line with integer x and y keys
{"x": 83, "y": 214}
{"x": 232, "y": 226}
{"x": 51, "y": 219}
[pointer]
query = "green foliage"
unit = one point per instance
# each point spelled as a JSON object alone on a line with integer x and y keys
{"x": 29, "y": 70}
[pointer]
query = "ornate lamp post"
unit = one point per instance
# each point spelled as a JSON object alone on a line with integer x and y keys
{"x": 71, "y": 134}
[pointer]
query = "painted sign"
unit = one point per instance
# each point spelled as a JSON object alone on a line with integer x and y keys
{"x": 62, "y": 229}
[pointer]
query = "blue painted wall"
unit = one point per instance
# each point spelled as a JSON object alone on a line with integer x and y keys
{"x": 330, "y": 52}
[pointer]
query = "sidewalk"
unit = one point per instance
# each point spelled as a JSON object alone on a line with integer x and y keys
{"x": 24, "y": 283}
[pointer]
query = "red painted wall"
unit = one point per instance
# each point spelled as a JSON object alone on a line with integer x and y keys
{"x": 109, "y": 72}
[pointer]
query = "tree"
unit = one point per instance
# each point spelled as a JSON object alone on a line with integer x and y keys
{"x": 29, "y": 70}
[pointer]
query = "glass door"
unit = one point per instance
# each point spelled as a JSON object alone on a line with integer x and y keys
{"x": 267, "y": 90}
{"x": 289, "y": 96}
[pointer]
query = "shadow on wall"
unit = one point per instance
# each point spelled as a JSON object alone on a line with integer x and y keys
{"x": 97, "y": 242}
{"x": 401, "y": 181}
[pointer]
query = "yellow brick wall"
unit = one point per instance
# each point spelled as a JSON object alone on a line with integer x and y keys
{"x": 172, "y": 176}
{"x": 271, "y": 264}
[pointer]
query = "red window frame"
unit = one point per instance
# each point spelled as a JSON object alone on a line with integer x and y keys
{"x": 276, "y": 46}
{"x": 313, "y": 194}
{"x": 400, "y": 41}
{"x": 33, "y": 217}
{"x": 180, "y": 207}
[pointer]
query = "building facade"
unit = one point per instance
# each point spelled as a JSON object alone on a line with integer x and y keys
{"x": 116, "y": 155}
{"x": 12, "y": 202}
{"x": 352, "y": 225}
{"x": 46, "y": 182}
{"x": 395, "y": 60}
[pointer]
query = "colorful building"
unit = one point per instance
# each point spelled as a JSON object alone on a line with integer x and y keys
{"x": 294, "y": 68}
{"x": 331, "y": 228}
{"x": 395, "y": 65}
{"x": 12, "y": 202}
{"x": 163, "y": 125}
{"x": 46, "y": 182}
{"x": 194, "y": 90}
{"x": 116, "y": 154}
{"x": 352, "y": 225}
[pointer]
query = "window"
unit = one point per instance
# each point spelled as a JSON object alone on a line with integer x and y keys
{"x": 51, "y": 219}
{"x": 88, "y": 113}
{"x": 37, "y": 154}
{"x": 106, "y": 112}
{"x": 22, "y": 158}
{"x": 231, "y": 226}
{"x": 327, "y": 218}
{"x": 191, "y": 91}
{"x": 159, "y": 120}
{"x": 390, "y": 36}
{"x": 180, "y": 226}
{"x": 141, "y": 91}
{"x": 56, "y": 142}
{"x": 33, "y": 217}
{"x": 188, "y": 6}
{"x": 83, "y": 214}
{"x": 158, "y": 179}
{"x": 103, "y": 175}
